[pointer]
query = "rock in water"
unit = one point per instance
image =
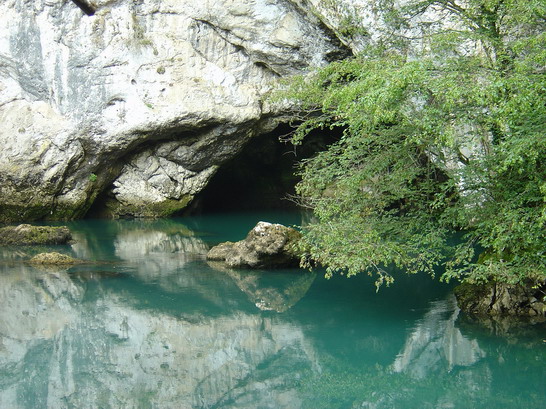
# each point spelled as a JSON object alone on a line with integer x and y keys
{"x": 501, "y": 299}
{"x": 267, "y": 245}
{"x": 54, "y": 258}
{"x": 25, "y": 234}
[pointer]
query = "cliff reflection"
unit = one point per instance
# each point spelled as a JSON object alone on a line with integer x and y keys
{"x": 60, "y": 349}
{"x": 156, "y": 327}
{"x": 271, "y": 290}
{"x": 435, "y": 343}
{"x": 156, "y": 253}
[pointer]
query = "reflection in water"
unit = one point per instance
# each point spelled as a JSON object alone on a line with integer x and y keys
{"x": 436, "y": 343}
{"x": 35, "y": 304}
{"x": 156, "y": 253}
{"x": 273, "y": 291}
{"x": 160, "y": 256}
{"x": 59, "y": 352}
{"x": 158, "y": 327}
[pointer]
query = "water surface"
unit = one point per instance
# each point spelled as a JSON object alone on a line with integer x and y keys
{"x": 148, "y": 323}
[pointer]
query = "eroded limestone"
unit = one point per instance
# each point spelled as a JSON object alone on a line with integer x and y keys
{"x": 91, "y": 104}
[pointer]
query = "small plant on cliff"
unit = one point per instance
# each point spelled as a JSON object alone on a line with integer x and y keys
{"x": 451, "y": 139}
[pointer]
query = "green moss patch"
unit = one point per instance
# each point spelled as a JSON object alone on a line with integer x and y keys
{"x": 165, "y": 208}
{"x": 25, "y": 234}
{"x": 54, "y": 258}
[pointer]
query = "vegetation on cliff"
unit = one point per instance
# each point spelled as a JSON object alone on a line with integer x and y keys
{"x": 448, "y": 138}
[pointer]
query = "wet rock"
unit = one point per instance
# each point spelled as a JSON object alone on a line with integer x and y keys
{"x": 25, "y": 234}
{"x": 499, "y": 299}
{"x": 267, "y": 245}
{"x": 54, "y": 258}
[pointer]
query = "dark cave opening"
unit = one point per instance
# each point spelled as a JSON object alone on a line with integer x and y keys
{"x": 262, "y": 176}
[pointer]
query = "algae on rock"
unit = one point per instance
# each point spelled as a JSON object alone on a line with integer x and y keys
{"x": 54, "y": 258}
{"x": 25, "y": 234}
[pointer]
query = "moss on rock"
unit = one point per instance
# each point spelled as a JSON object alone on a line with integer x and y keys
{"x": 165, "y": 208}
{"x": 54, "y": 258}
{"x": 220, "y": 252}
{"x": 12, "y": 213}
{"x": 25, "y": 234}
{"x": 267, "y": 245}
{"x": 501, "y": 299}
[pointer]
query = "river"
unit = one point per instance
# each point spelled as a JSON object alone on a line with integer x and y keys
{"x": 148, "y": 323}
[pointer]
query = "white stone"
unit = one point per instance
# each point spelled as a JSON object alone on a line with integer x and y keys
{"x": 83, "y": 95}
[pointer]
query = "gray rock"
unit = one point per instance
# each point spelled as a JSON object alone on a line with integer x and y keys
{"x": 143, "y": 100}
{"x": 500, "y": 299}
{"x": 25, "y": 234}
{"x": 267, "y": 245}
{"x": 220, "y": 252}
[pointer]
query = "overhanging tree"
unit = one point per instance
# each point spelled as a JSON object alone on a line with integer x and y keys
{"x": 451, "y": 139}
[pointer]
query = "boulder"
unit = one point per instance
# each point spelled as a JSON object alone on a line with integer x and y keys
{"x": 25, "y": 234}
{"x": 54, "y": 258}
{"x": 267, "y": 245}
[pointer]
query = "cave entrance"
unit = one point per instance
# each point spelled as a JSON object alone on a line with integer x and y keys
{"x": 261, "y": 177}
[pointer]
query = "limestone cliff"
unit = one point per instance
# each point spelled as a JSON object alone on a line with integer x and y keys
{"x": 144, "y": 99}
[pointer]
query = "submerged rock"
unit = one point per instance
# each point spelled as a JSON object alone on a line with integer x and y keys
{"x": 267, "y": 245}
{"x": 25, "y": 234}
{"x": 54, "y": 258}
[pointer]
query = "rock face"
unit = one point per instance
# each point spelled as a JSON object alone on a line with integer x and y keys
{"x": 266, "y": 245}
{"x": 141, "y": 101}
{"x": 499, "y": 299}
{"x": 25, "y": 234}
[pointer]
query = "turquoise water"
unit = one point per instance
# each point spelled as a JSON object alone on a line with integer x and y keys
{"x": 148, "y": 323}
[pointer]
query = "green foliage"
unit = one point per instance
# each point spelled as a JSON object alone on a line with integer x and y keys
{"x": 347, "y": 16}
{"x": 442, "y": 142}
